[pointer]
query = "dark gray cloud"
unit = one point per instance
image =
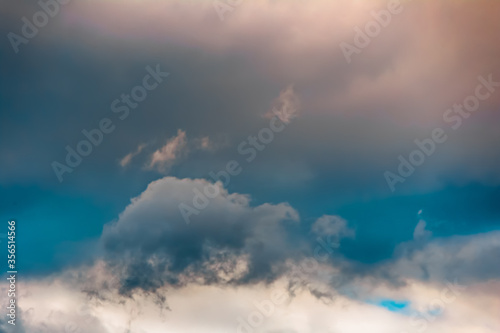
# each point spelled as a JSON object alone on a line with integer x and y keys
{"x": 231, "y": 242}
{"x": 364, "y": 115}
{"x": 227, "y": 242}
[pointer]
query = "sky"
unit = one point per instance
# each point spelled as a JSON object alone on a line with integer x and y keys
{"x": 251, "y": 166}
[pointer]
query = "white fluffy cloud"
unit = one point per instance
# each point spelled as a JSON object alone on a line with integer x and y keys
{"x": 57, "y": 305}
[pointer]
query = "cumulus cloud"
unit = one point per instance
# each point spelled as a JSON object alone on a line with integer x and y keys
{"x": 230, "y": 241}
{"x": 153, "y": 262}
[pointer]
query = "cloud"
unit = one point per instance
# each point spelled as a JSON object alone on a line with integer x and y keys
{"x": 329, "y": 225}
{"x": 229, "y": 242}
{"x": 128, "y": 158}
{"x": 206, "y": 144}
{"x": 210, "y": 144}
{"x": 165, "y": 157}
{"x": 420, "y": 231}
{"x": 359, "y": 119}
{"x": 376, "y": 106}
{"x": 286, "y": 106}
{"x": 232, "y": 242}
{"x": 57, "y": 305}
{"x": 151, "y": 262}
{"x": 179, "y": 147}
{"x": 467, "y": 258}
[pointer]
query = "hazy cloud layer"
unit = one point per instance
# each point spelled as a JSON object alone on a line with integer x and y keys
{"x": 393, "y": 92}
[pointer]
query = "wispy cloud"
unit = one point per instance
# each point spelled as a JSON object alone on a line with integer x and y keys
{"x": 286, "y": 106}
{"x": 128, "y": 158}
{"x": 166, "y": 156}
{"x": 207, "y": 144}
